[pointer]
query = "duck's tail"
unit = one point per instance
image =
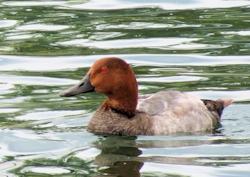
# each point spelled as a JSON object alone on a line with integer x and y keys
{"x": 226, "y": 102}
{"x": 217, "y": 106}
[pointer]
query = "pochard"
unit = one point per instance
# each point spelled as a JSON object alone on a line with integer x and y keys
{"x": 162, "y": 113}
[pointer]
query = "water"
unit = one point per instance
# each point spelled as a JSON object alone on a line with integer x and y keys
{"x": 196, "y": 46}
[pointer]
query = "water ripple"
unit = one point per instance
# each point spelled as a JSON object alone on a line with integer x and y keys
{"x": 27, "y": 63}
{"x": 46, "y": 170}
{"x": 171, "y": 79}
{"x": 32, "y": 3}
{"x": 42, "y": 27}
{"x": 33, "y": 80}
{"x": 240, "y": 33}
{"x": 189, "y": 45}
{"x": 170, "y": 5}
{"x": 197, "y": 171}
{"x": 7, "y": 23}
{"x": 50, "y": 115}
{"x": 127, "y": 43}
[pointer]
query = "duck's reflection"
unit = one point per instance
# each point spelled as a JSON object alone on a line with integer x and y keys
{"x": 125, "y": 156}
{"x": 120, "y": 156}
{"x": 125, "y": 169}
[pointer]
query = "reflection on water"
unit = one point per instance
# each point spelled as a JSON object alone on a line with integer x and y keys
{"x": 195, "y": 46}
{"x": 39, "y": 125}
{"x": 41, "y": 27}
{"x": 75, "y": 27}
{"x": 170, "y": 4}
{"x": 7, "y": 23}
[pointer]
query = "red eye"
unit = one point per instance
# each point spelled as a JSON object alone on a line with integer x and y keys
{"x": 104, "y": 69}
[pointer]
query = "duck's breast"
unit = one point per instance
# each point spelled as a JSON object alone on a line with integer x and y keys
{"x": 110, "y": 122}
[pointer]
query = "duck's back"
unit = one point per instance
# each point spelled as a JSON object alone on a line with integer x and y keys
{"x": 173, "y": 112}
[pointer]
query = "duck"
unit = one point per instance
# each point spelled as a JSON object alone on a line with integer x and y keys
{"x": 125, "y": 113}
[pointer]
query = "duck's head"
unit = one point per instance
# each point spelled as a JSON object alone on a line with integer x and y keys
{"x": 114, "y": 78}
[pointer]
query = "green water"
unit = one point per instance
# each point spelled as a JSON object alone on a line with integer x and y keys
{"x": 46, "y": 46}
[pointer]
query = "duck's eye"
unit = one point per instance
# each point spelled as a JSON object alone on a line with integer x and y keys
{"x": 104, "y": 69}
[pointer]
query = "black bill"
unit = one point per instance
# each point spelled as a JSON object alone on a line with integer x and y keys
{"x": 83, "y": 87}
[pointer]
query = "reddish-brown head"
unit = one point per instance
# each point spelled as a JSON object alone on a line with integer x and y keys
{"x": 114, "y": 78}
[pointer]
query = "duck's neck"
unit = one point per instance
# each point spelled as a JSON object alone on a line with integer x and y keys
{"x": 124, "y": 94}
{"x": 123, "y": 102}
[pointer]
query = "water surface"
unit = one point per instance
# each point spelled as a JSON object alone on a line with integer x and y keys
{"x": 194, "y": 46}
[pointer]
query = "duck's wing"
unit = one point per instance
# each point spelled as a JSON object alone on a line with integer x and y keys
{"x": 173, "y": 111}
{"x": 171, "y": 103}
{"x": 152, "y": 105}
